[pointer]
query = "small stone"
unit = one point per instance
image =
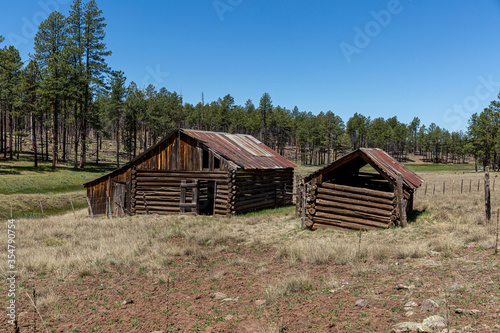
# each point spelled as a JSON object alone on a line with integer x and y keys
{"x": 459, "y": 311}
{"x": 219, "y": 295}
{"x": 410, "y": 326}
{"x": 411, "y": 304}
{"x": 429, "y": 305}
{"x": 435, "y": 322}
{"x": 361, "y": 303}
{"x": 405, "y": 287}
{"x": 228, "y": 317}
{"x": 228, "y": 299}
{"x": 260, "y": 302}
{"x": 409, "y": 313}
{"x": 127, "y": 301}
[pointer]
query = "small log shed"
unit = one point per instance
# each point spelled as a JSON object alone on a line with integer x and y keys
{"x": 196, "y": 172}
{"x": 341, "y": 196}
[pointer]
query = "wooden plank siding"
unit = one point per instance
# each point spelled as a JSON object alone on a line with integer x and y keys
{"x": 259, "y": 189}
{"x": 152, "y": 181}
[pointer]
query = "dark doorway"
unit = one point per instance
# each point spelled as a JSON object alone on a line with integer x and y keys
{"x": 207, "y": 197}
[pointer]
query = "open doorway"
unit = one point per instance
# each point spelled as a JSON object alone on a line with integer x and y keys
{"x": 207, "y": 197}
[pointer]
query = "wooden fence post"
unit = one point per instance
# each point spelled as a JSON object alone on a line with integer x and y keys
{"x": 90, "y": 207}
{"x": 41, "y": 208}
{"x": 470, "y": 185}
{"x": 462, "y": 186}
{"x": 425, "y": 193}
{"x": 496, "y": 240}
{"x": 73, "y": 208}
{"x": 434, "y": 190}
{"x": 452, "y": 186}
{"x": 444, "y": 187}
{"x": 487, "y": 199}
{"x": 400, "y": 199}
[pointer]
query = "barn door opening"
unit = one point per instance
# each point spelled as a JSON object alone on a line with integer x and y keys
{"x": 207, "y": 197}
{"x": 119, "y": 199}
{"x": 189, "y": 197}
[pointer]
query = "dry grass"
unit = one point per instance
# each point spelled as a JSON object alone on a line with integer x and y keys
{"x": 85, "y": 246}
{"x": 291, "y": 284}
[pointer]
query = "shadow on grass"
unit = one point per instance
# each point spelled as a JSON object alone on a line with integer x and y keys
{"x": 414, "y": 214}
{"x": 14, "y": 167}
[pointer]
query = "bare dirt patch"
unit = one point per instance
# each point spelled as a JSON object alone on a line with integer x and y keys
{"x": 270, "y": 275}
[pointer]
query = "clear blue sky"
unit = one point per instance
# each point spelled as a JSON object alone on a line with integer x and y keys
{"x": 438, "y": 60}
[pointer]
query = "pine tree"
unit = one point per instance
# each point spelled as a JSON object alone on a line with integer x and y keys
{"x": 116, "y": 106}
{"x": 51, "y": 53}
{"x": 265, "y": 106}
{"x": 94, "y": 64}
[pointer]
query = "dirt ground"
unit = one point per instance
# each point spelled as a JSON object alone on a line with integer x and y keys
{"x": 184, "y": 299}
{"x": 260, "y": 273}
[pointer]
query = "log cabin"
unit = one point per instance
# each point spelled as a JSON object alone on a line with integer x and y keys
{"x": 366, "y": 189}
{"x": 196, "y": 172}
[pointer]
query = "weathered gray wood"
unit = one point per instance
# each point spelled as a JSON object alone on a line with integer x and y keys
{"x": 339, "y": 199}
{"x": 90, "y": 207}
{"x": 487, "y": 198}
{"x": 145, "y": 203}
{"x": 350, "y": 213}
{"x": 335, "y": 193}
{"x": 360, "y": 220}
{"x": 354, "y": 207}
{"x": 359, "y": 190}
{"x": 343, "y": 224}
{"x": 400, "y": 199}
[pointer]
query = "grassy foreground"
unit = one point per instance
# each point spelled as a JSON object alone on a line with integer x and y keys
{"x": 82, "y": 269}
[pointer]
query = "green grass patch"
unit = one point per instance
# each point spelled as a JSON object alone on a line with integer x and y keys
{"x": 20, "y": 177}
{"x": 430, "y": 167}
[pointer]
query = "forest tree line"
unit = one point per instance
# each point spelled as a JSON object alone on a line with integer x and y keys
{"x": 65, "y": 99}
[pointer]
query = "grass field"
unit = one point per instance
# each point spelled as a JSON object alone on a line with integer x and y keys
{"x": 275, "y": 275}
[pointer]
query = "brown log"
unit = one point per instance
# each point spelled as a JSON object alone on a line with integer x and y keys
{"x": 325, "y": 193}
{"x": 360, "y": 220}
{"x": 255, "y": 205}
{"x": 344, "y": 224}
{"x": 357, "y": 208}
{"x": 355, "y": 202}
{"x": 359, "y": 190}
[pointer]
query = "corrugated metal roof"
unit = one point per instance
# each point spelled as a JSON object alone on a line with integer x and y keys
{"x": 243, "y": 149}
{"x": 391, "y": 167}
{"x": 386, "y": 163}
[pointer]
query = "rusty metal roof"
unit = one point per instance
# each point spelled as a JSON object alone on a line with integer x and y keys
{"x": 391, "y": 167}
{"x": 378, "y": 158}
{"x": 243, "y": 149}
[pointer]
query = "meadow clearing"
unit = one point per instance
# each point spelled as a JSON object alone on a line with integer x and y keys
{"x": 258, "y": 272}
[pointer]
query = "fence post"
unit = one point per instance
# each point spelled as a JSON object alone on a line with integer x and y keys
{"x": 73, "y": 208}
{"x": 41, "y": 207}
{"x": 425, "y": 193}
{"x": 90, "y": 207}
{"x": 444, "y": 186}
{"x": 434, "y": 190}
{"x": 487, "y": 201}
{"x": 462, "y": 186}
{"x": 452, "y": 186}
{"x": 470, "y": 185}
{"x": 400, "y": 199}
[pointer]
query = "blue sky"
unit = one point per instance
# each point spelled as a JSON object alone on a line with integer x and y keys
{"x": 438, "y": 60}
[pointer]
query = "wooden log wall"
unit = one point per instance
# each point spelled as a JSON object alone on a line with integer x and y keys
{"x": 162, "y": 190}
{"x": 260, "y": 189}
{"x": 349, "y": 207}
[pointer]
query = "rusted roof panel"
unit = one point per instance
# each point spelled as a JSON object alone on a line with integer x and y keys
{"x": 383, "y": 161}
{"x": 391, "y": 167}
{"x": 242, "y": 149}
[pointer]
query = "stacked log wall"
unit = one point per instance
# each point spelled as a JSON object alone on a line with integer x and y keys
{"x": 348, "y": 207}
{"x": 158, "y": 192}
{"x": 260, "y": 189}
